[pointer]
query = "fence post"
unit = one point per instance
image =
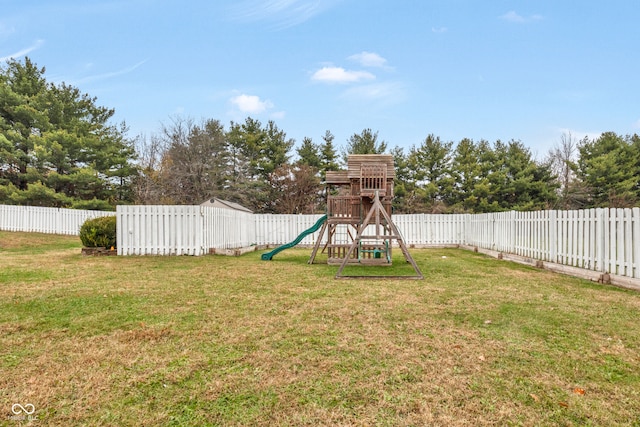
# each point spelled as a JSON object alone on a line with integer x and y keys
{"x": 553, "y": 236}
{"x": 467, "y": 229}
{"x": 601, "y": 240}
{"x": 628, "y": 243}
{"x": 512, "y": 232}
{"x": 635, "y": 238}
{"x": 119, "y": 234}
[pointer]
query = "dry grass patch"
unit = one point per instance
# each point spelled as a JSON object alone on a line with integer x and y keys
{"x": 238, "y": 341}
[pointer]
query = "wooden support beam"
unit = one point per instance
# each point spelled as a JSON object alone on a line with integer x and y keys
{"x": 377, "y": 210}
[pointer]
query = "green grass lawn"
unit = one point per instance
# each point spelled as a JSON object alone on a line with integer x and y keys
{"x": 214, "y": 340}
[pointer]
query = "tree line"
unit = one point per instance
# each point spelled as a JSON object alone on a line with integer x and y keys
{"x": 59, "y": 148}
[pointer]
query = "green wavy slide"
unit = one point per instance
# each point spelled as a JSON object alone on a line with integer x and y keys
{"x": 268, "y": 255}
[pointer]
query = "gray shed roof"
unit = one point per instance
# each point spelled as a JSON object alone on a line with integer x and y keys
{"x": 224, "y": 204}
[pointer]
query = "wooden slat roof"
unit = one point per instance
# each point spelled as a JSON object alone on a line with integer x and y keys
{"x": 337, "y": 177}
{"x": 355, "y": 160}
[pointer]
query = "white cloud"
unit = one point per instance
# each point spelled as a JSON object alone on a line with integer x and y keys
{"x": 109, "y": 74}
{"x": 439, "y": 30}
{"x": 23, "y": 52}
{"x": 285, "y": 13}
{"x": 251, "y": 104}
{"x": 369, "y": 59}
{"x": 340, "y": 75}
{"x": 514, "y": 17}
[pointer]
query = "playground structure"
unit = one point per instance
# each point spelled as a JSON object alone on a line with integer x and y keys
{"x": 358, "y": 222}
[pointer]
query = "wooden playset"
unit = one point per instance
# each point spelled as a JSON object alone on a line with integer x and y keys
{"x": 358, "y": 223}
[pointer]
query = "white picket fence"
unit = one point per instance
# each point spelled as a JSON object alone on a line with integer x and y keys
{"x": 181, "y": 230}
{"x": 602, "y": 240}
{"x": 432, "y": 230}
{"x": 417, "y": 229}
{"x": 35, "y": 219}
{"x": 605, "y": 240}
{"x": 280, "y": 229}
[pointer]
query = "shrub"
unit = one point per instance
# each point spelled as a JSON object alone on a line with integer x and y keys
{"x": 99, "y": 232}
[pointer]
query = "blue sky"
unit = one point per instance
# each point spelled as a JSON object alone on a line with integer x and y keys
{"x": 526, "y": 70}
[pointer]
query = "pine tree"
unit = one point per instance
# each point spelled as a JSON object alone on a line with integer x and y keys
{"x": 57, "y": 138}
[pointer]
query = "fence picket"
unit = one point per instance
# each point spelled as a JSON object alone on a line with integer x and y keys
{"x": 635, "y": 238}
{"x": 628, "y": 242}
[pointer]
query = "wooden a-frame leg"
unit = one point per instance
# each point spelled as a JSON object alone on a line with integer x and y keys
{"x": 317, "y": 245}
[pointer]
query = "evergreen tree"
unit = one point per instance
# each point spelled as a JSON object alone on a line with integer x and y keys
{"x": 57, "y": 139}
{"x": 608, "y": 166}
{"x": 364, "y": 143}
{"x": 522, "y": 183}
{"x": 275, "y": 151}
{"x": 486, "y": 189}
{"x": 23, "y": 119}
{"x": 431, "y": 167}
{"x": 328, "y": 155}
{"x": 405, "y": 192}
{"x": 265, "y": 148}
{"x": 308, "y": 153}
{"x": 466, "y": 173}
{"x": 256, "y": 153}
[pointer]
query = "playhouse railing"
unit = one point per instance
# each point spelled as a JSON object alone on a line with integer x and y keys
{"x": 346, "y": 207}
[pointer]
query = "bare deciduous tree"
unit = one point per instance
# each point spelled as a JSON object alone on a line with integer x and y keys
{"x": 148, "y": 187}
{"x": 562, "y": 158}
{"x": 199, "y": 160}
{"x": 295, "y": 189}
